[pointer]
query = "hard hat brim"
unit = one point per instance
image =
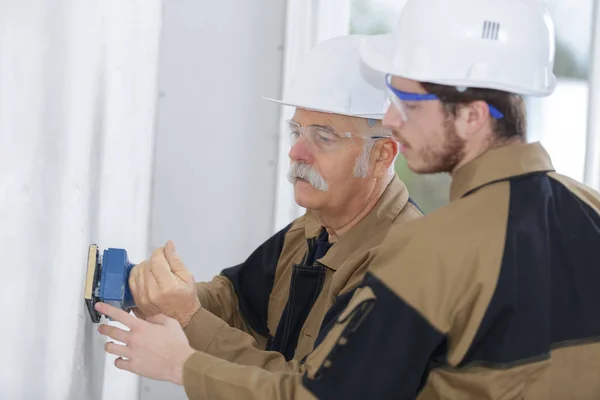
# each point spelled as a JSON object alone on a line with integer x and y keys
{"x": 378, "y": 53}
{"x": 378, "y": 116}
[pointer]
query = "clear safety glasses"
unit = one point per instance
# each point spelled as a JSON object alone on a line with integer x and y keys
{"x": 323, "y": 138}
{"x": 406, "y": 103}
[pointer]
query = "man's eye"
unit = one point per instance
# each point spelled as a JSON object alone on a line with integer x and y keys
{"x": 325, "y": 137}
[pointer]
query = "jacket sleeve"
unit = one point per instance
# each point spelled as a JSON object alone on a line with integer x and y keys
{"x": 210, "y": 334}
{"x": 208, "y": 377}
{"x": 376, "y": 347}
{"x": 218, "y": 297}
{"x": 232, "y": 367}
{"x": 239, "y": 296}
{"x": 215, "y": 337}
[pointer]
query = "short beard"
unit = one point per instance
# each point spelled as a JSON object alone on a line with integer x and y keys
{"x": 446, "y": 157}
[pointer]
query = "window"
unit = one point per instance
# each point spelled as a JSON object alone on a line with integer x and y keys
{"x": 559, "y": 121}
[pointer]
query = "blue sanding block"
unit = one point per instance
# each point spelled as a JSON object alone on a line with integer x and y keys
{"x": 107, "y": 280}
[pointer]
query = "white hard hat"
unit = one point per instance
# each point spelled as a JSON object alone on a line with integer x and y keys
{"x": 507, "y": 45}
{"x": 333, "y": 79}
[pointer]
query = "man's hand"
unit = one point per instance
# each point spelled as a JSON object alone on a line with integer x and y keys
{"x": 163, "y": 285}
{"x": 156, "y": 349}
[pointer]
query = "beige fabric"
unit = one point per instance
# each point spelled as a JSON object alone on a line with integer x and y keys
{"x": 588, "y": 195}
{"x": 569, "y": 373}
{"x": 218, "y": 298}
{"x": 319, "y": 361}
{"x": 208, "y": 377}
{"x": 213, "y": 329}
{"x": 346, "y": 261}
{"x": 449, "y": 284}
{"x": 446, "y": 267}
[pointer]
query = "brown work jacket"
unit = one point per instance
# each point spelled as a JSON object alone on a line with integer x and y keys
{"x": 278, "y": 300}
{"x": 494, "y": 296}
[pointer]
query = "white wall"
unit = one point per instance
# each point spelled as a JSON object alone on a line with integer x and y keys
{"x": 216, "y": 146}
{"x": 78, "y": 92}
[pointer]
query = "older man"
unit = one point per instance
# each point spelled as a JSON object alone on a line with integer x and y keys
{"x": 268, "y": 310}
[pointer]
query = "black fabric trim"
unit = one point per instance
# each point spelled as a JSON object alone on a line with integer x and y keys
{"x": 253, "y": 281}
{"x": 340, "y": 304}
{"x": 411, "y": 201}
{"x": 385, "y": 352}
{"x": 547, "y": 291}
{"x": 305, "y": 287}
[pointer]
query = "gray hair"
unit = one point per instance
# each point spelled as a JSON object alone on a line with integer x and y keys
{"x": 369, "y": 128}
{"x": 361, "y": 167}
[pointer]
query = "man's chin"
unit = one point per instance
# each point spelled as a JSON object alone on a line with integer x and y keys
{"x": 305, "y": 195}
{"x": 422, "y": 167}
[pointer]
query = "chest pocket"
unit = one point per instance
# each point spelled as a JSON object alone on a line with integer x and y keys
{"x": 349, "y": 320}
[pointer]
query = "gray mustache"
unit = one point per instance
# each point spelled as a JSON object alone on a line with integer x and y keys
{"x": 308, "y": 173}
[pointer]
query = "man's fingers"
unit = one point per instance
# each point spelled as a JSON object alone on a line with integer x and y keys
{"x": 137, "y": 283}
{"x": 140, "y": 282}
{"x": 152, "y": 285}
{"x": 117, "y": 349}
{"x": 177, "y": 266}
{"x": 133, "y": 281}
{"x": 159, "y": 319}
{"x": 171, "y": 254}
{"x": 123, "y": 364}
{"x": 161, "y": 269}
{"x": 118, "y": 315}
{"x": 114, "y": 333}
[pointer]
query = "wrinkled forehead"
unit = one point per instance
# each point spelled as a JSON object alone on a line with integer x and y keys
{"x": 335, "y": 122}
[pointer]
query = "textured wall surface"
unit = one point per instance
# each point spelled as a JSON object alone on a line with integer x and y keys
{"x": 78, "y": 90}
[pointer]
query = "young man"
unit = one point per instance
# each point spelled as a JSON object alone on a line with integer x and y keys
{"x": 495, "y": 295}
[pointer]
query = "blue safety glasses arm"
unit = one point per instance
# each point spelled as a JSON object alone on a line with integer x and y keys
{"x": 408, "y": 96}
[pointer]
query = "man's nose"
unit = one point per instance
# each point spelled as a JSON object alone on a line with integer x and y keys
{"x": 393, "y": 119}
{"x": 301, "y": 151}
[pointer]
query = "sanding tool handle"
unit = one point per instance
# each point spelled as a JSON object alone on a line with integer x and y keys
{"x": 114, "y": 284}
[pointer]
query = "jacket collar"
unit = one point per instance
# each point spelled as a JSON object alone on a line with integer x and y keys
{"x": 388, "y": 207}
{"x": 500, "y": 164}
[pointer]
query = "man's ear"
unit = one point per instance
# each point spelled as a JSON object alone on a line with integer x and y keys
{"x": 471, "y": 118}
{"x": 384, "y": 154}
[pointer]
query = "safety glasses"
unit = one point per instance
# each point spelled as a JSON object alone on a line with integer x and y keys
{"x": 407, "y": 103}
{"x": 322, "y": 138}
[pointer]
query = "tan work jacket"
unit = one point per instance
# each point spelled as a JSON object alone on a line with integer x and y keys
{"x": 276, "y": 302}
{"x": 493, "y": 297}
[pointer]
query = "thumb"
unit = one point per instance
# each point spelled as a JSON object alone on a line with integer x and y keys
{"x": 159, "y": 319}
{"x": 138, "y": 313}
{"x": 175, "y": 262}
{"x": 132, "y": 281}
